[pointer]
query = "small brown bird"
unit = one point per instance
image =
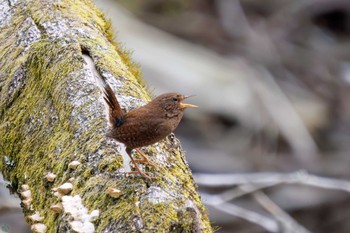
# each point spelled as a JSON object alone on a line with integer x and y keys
{"x": 145, "y": 125}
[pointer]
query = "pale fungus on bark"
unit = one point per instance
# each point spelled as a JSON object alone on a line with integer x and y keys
{"x": 36, "y": 217}
{"x": 26, "y": 203}
{"x": 50, "y": 177}
{"x": 58, "y": 195}
{"x": 65, "y": 188}
{"x": 57, "y": 208}
{"x": 26, "y": 194}
{"x": 81, "y": 219}
{"x": 39, "y": 228}
{"x": 73, "y": 164}
{"x": 113, "y": 192}
{"x": 77, "y": 226}
{"x": 94, "y": 215}
{"x": 25, "y": 187}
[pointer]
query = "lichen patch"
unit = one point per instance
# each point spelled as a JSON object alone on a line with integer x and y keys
{"x": 5, "y": 13}
{"x": 28, "y": 34}
{"x": 156, "y": 195}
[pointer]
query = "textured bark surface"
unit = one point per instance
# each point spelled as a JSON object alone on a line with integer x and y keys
{"x": 52, "y": 113}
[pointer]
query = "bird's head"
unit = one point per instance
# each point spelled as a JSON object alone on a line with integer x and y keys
{"x": 172, "y": 103}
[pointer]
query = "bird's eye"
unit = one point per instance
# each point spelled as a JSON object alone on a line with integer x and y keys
{"x": 174, "y": 99}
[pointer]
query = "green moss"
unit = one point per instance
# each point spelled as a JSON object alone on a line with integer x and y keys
{"x": 161, "y": 215}
{"x": 43, "y": 130}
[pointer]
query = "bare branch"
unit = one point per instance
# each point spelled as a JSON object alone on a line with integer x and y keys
{"x": 261, "y": 220}
{"x": 237, "y": 192}
{"x": 271, "y": 179}
{"x": 284, "y": 218}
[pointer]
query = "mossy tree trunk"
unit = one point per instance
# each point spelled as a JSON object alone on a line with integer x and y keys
{"x": 52, "y": 113}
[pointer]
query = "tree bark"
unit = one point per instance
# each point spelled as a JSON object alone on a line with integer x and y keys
{"x": 52, "y": 113}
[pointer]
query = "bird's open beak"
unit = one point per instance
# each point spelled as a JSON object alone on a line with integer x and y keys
{"x": 183, "y": 105}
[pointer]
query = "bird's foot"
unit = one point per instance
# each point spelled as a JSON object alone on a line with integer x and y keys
{"x": 143, "y": 174}
{"x": 136, "y": 161}
{"x": 146, "y": 161}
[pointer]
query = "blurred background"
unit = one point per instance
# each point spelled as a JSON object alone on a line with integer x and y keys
{"x": 269, "y": 145}
{"x": 272, "y": 79}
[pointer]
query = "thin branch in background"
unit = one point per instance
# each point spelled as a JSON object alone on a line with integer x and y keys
{"x": 299, "y": 177}
{"x": 265, "y": 222}
{"x": 237, "y": 192}
{"x": 285, "y": 219}
{"x": 253, "y": 184}
{"x": 220, "y": 202}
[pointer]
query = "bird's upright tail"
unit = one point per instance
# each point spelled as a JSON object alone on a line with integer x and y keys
{"x": 116, "y": 114}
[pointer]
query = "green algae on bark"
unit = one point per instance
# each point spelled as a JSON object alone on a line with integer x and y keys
{"x": 52, "y": 113}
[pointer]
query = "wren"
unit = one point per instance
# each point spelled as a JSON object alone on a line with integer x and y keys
{"x": 145, "y": 125}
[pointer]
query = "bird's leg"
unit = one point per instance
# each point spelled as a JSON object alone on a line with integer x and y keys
{"x": 144, "y": 159}
{"x": 138, "y": 171}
